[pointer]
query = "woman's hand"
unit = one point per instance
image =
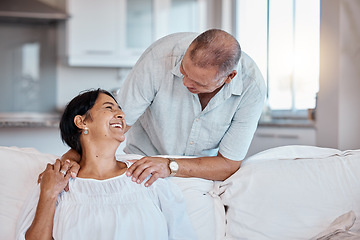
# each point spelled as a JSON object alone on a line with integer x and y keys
{"x": 72, "y": 169}
{"x": 52, "y": 182}
{"x": 55, "y": 178}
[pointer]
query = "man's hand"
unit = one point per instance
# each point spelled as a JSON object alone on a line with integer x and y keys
{"x": 141, "y": 169}
{"x": 72, "y": 166}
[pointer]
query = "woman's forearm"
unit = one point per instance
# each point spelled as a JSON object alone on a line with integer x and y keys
{"x": 42, "y": 225}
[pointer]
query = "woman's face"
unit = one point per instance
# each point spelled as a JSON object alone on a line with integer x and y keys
{"x": 106, "y": 120}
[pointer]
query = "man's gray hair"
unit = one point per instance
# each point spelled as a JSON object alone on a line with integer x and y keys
{"x": 215, "y": 47}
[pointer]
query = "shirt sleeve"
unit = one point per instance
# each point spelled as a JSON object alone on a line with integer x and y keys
{"x": 27, "y": 213}
{"x": 140, "y": 87}
{"x": 237, "y": 139}
{"x": 172, "y": 204}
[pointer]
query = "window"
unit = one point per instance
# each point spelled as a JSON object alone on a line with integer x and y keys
{"x": 282, "y": 36}
{"x": 28, "y": 68}
{"x": 158, "y": 18}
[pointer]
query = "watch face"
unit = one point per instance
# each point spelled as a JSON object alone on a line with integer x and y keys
{"x": 174, "y": 166}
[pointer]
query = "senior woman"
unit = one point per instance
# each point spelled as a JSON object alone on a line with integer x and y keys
{"x": 102, "y": 202}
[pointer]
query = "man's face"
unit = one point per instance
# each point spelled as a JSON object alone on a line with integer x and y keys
{"x": 200, "y": 80}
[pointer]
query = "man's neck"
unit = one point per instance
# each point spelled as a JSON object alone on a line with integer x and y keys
{"x": 206, "y": 97}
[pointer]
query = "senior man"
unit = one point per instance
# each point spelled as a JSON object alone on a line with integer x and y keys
{"x": 191, "y": 95}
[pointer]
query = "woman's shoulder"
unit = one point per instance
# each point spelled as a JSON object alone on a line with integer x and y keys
{"x": 127, "y": 158}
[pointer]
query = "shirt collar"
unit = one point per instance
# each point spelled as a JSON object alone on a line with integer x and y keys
{"x": 236, "y": 84}
{"x": 176, "y": 68}
{"x": 234, "y": 87}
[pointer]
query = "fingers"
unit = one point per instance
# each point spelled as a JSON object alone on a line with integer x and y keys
{"x": 137, "y": 169}
{"x": 67, "y": 177}
{"x": 152, "y": 179}
{"x": 48, "y": 167}
{"x": 40, "y": 177}
{"x": 57, "y": 165}
{"x": 64, "y": 172}
{"x": 132, "y": 168}
{"x": 64, "y": 179}
{"x": 55, "y": 178}
{"x": 148, "y": 166}
{"x": 142, "y": 172}
{"x": 74, "y": 169}
{"x": 66, "y": 187}
{"x": 64, "y": 168}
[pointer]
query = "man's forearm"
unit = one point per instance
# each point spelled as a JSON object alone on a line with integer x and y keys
{"x": 71, "y": 155}
{"x": 212, "y": 168}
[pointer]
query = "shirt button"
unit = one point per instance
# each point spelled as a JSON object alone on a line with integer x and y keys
{"x": 197, "y": 119}
{"x": 191, "y": 143}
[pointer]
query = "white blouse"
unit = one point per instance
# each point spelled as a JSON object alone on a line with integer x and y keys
{"x": 115, "y": 208}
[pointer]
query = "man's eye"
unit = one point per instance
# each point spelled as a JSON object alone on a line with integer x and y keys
{"x": 109, "y": 107}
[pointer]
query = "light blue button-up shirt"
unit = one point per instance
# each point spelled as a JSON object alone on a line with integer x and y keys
{"x": 168, "y": 119}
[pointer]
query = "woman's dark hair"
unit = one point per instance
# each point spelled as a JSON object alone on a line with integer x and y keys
{"x": 80, "y": 105}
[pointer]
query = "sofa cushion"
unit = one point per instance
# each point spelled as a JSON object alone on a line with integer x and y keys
{"x": 291, "y": 192}
{"x": 20, "y": 168}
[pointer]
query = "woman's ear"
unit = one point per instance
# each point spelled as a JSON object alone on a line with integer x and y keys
{"x": 80, "y": 121}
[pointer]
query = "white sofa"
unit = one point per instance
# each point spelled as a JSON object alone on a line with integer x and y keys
{"x": 290, "y": 192}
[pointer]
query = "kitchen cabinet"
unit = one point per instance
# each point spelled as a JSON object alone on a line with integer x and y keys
{"x": 114, "y": 33}
{"x": 270, "y": 137}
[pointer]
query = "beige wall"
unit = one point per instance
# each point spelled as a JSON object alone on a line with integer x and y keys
{"x": 338, "y": 113}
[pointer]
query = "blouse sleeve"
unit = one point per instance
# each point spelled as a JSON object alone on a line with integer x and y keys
{"x": 27, "y": 213}
{"x": 172, "y": 204}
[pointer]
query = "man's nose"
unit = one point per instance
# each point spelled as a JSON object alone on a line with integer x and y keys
{"x": 187, "y": 82}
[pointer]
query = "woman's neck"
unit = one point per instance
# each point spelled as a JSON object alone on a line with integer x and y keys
{"x": 99, "y": 164}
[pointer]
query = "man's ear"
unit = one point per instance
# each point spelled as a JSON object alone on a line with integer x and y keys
{"x": 231, "y": 76}
{"x": 80, "y": 121}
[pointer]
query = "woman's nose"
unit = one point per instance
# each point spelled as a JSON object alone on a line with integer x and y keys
{"x": 120, "y": 114}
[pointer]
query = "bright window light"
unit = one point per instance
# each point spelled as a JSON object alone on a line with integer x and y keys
{"x": 283, "y": 36}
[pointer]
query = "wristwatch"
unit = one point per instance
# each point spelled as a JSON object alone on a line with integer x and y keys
{"x": 174, "y": 167}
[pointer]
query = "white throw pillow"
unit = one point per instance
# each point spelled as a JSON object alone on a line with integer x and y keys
{"x": 20, "y": 168}
{"x": 269, "y": 198}
{"x": 292, "y": 152}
